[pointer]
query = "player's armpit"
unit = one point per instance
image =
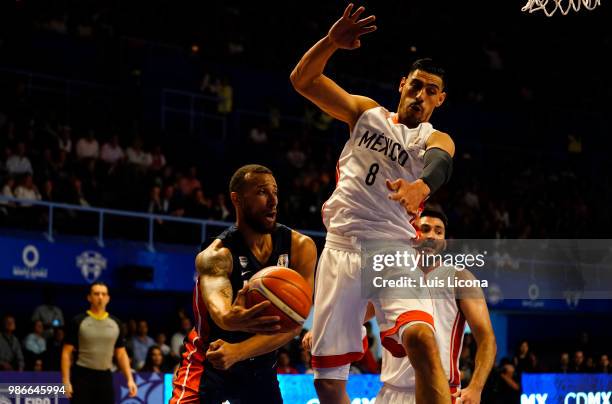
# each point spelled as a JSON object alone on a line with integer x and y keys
{"x": 303, "y": 256}
{"x": 442, "y": 141}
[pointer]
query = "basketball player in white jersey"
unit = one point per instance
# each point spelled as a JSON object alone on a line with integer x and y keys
{"x": 391, "y": 163}
{"x": 452, "y": 308}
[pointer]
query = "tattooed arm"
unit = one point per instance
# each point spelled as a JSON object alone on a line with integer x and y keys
{"x": 214, "y": 266}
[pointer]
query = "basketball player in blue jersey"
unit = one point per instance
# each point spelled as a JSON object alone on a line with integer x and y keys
{"x": 230, "y": 355}
{"x": 391, "y": 163}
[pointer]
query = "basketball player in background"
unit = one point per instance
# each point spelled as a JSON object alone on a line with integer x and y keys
{"x": 391, "y": 163}
{"x": 231, "y": 352}
{"x": 452, "y": 308}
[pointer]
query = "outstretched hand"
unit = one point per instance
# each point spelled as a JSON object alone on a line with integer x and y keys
{"x": 346, "y": 31}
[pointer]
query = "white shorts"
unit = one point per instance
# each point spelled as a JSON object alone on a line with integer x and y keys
{"x": 339, "y": 308}
{"x": 391, "y": 395}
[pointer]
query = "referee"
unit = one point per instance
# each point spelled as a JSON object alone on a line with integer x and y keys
{"x": 96, "y": 336}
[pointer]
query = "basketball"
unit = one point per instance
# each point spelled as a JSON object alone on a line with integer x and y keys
{"x": 287, "y": 290}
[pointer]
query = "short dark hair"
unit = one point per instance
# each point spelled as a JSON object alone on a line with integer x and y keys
{"x": 238, "y": 179}
{"x": 434, "y": 211}
{"x": 430, "y": 66}
{"x": 98, "y": 283}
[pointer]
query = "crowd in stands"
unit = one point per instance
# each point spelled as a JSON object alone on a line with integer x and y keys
{"x": 38, "y": 348}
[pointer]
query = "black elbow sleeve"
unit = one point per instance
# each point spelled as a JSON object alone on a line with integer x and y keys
{"x": 438, "y": 168}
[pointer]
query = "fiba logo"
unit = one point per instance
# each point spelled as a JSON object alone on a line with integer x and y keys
{"x": 91, "y": 263}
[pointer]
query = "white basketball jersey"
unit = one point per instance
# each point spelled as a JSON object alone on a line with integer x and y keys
{"x": 378, "y": 149}
{"x": 450, "y": 326}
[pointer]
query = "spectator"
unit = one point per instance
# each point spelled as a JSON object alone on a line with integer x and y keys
{"x": 578, "y": 365}
{"x": 48, "y": 313}
{"x": 137, "y": 156}
{"x": 176, "y": 342}
{"x": 88, "y": 147}
{"x": 564, "y": 363}
{"x": 155, "y": 204}
{"x": 11, "y": 356}
{"x": 604, "y": 365}
{"x": 48, "y": 194}
{"x": 112, "y": 153}
{"x": 141, "y": 343}
{"x": 190, "y": 182}
{"x": 296, "y": 156}
{"x": 201, "y": 206}
{"x": 158, "y": 160}
{"x": 160, "y": 341}
{"x": 53, "y": 355}
{"x": 509, "y": 389}
{"x": 35, "y": 342}
{"x": 154, "y": 362}
{"x": 64, "y": 142}
{"x": 304, "y": 366}
{"x": 220, "y": 209}
{"x": 19, "y": 163}
{"x": 38, "y": 365}
{"x": 521, "y": 360}
{"x": 75, "y": 193}
{"x": 27, "y": 190}
{"x": 284, "y": 364}
{"x": 225, "y": 92}
{"x": 7, "y": 190}
{"x": 169, "y": 202}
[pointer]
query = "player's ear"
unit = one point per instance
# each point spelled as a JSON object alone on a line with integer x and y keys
{"x": 402, "y": 83}
{"x": 235, "y": 198}
{"x": 441, "y": 98}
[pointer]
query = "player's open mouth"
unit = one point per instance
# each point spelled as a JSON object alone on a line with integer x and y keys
{"x": 271, "y": 216}
{"x": 416, "y": 107}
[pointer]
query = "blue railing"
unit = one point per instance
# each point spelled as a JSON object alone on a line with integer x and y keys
{"x": 104, "y": 212}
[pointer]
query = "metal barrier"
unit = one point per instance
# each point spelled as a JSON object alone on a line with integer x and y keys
{"x": 103, "y": 212}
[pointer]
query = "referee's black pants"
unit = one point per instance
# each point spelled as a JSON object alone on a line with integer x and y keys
{"x": 91, "y": 386}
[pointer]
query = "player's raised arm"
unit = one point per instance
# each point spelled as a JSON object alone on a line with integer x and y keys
{"x": 308, "y": 78}
{"x": 474, "y": 309}
{"x": 214, "y": 266}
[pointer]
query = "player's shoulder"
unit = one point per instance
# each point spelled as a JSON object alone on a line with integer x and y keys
{"x": 216, "y": 250}
{"x": 302, "y": 241}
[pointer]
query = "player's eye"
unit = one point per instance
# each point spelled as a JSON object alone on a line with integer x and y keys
{"x": 431, "y": 91}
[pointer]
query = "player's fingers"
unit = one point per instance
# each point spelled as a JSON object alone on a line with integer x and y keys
{"x": 263, "y": 321}
{"x": 347, "y": 10}
{"x": 241, "y": 296}
{"x": 365, "y": 21}
{"x": 271, "y": 330}
{"x": 395, "y": 197}
{"x": 367, "y": 30}
{"x": 357, "y": 13}
{"x": 215, "y": 345}
{"x": 392, "y": 185}
{"x": 249, "y": 313}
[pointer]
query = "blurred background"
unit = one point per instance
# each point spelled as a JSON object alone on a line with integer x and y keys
{"x": 111, "y": 111}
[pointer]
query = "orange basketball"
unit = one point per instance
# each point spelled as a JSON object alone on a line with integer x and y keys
{"x": 287, "y": 290}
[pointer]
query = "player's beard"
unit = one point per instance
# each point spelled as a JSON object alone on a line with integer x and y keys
{"x": 258, "y": 224}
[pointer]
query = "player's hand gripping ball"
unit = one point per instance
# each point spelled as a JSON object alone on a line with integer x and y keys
{"x": 287, "y": 290}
